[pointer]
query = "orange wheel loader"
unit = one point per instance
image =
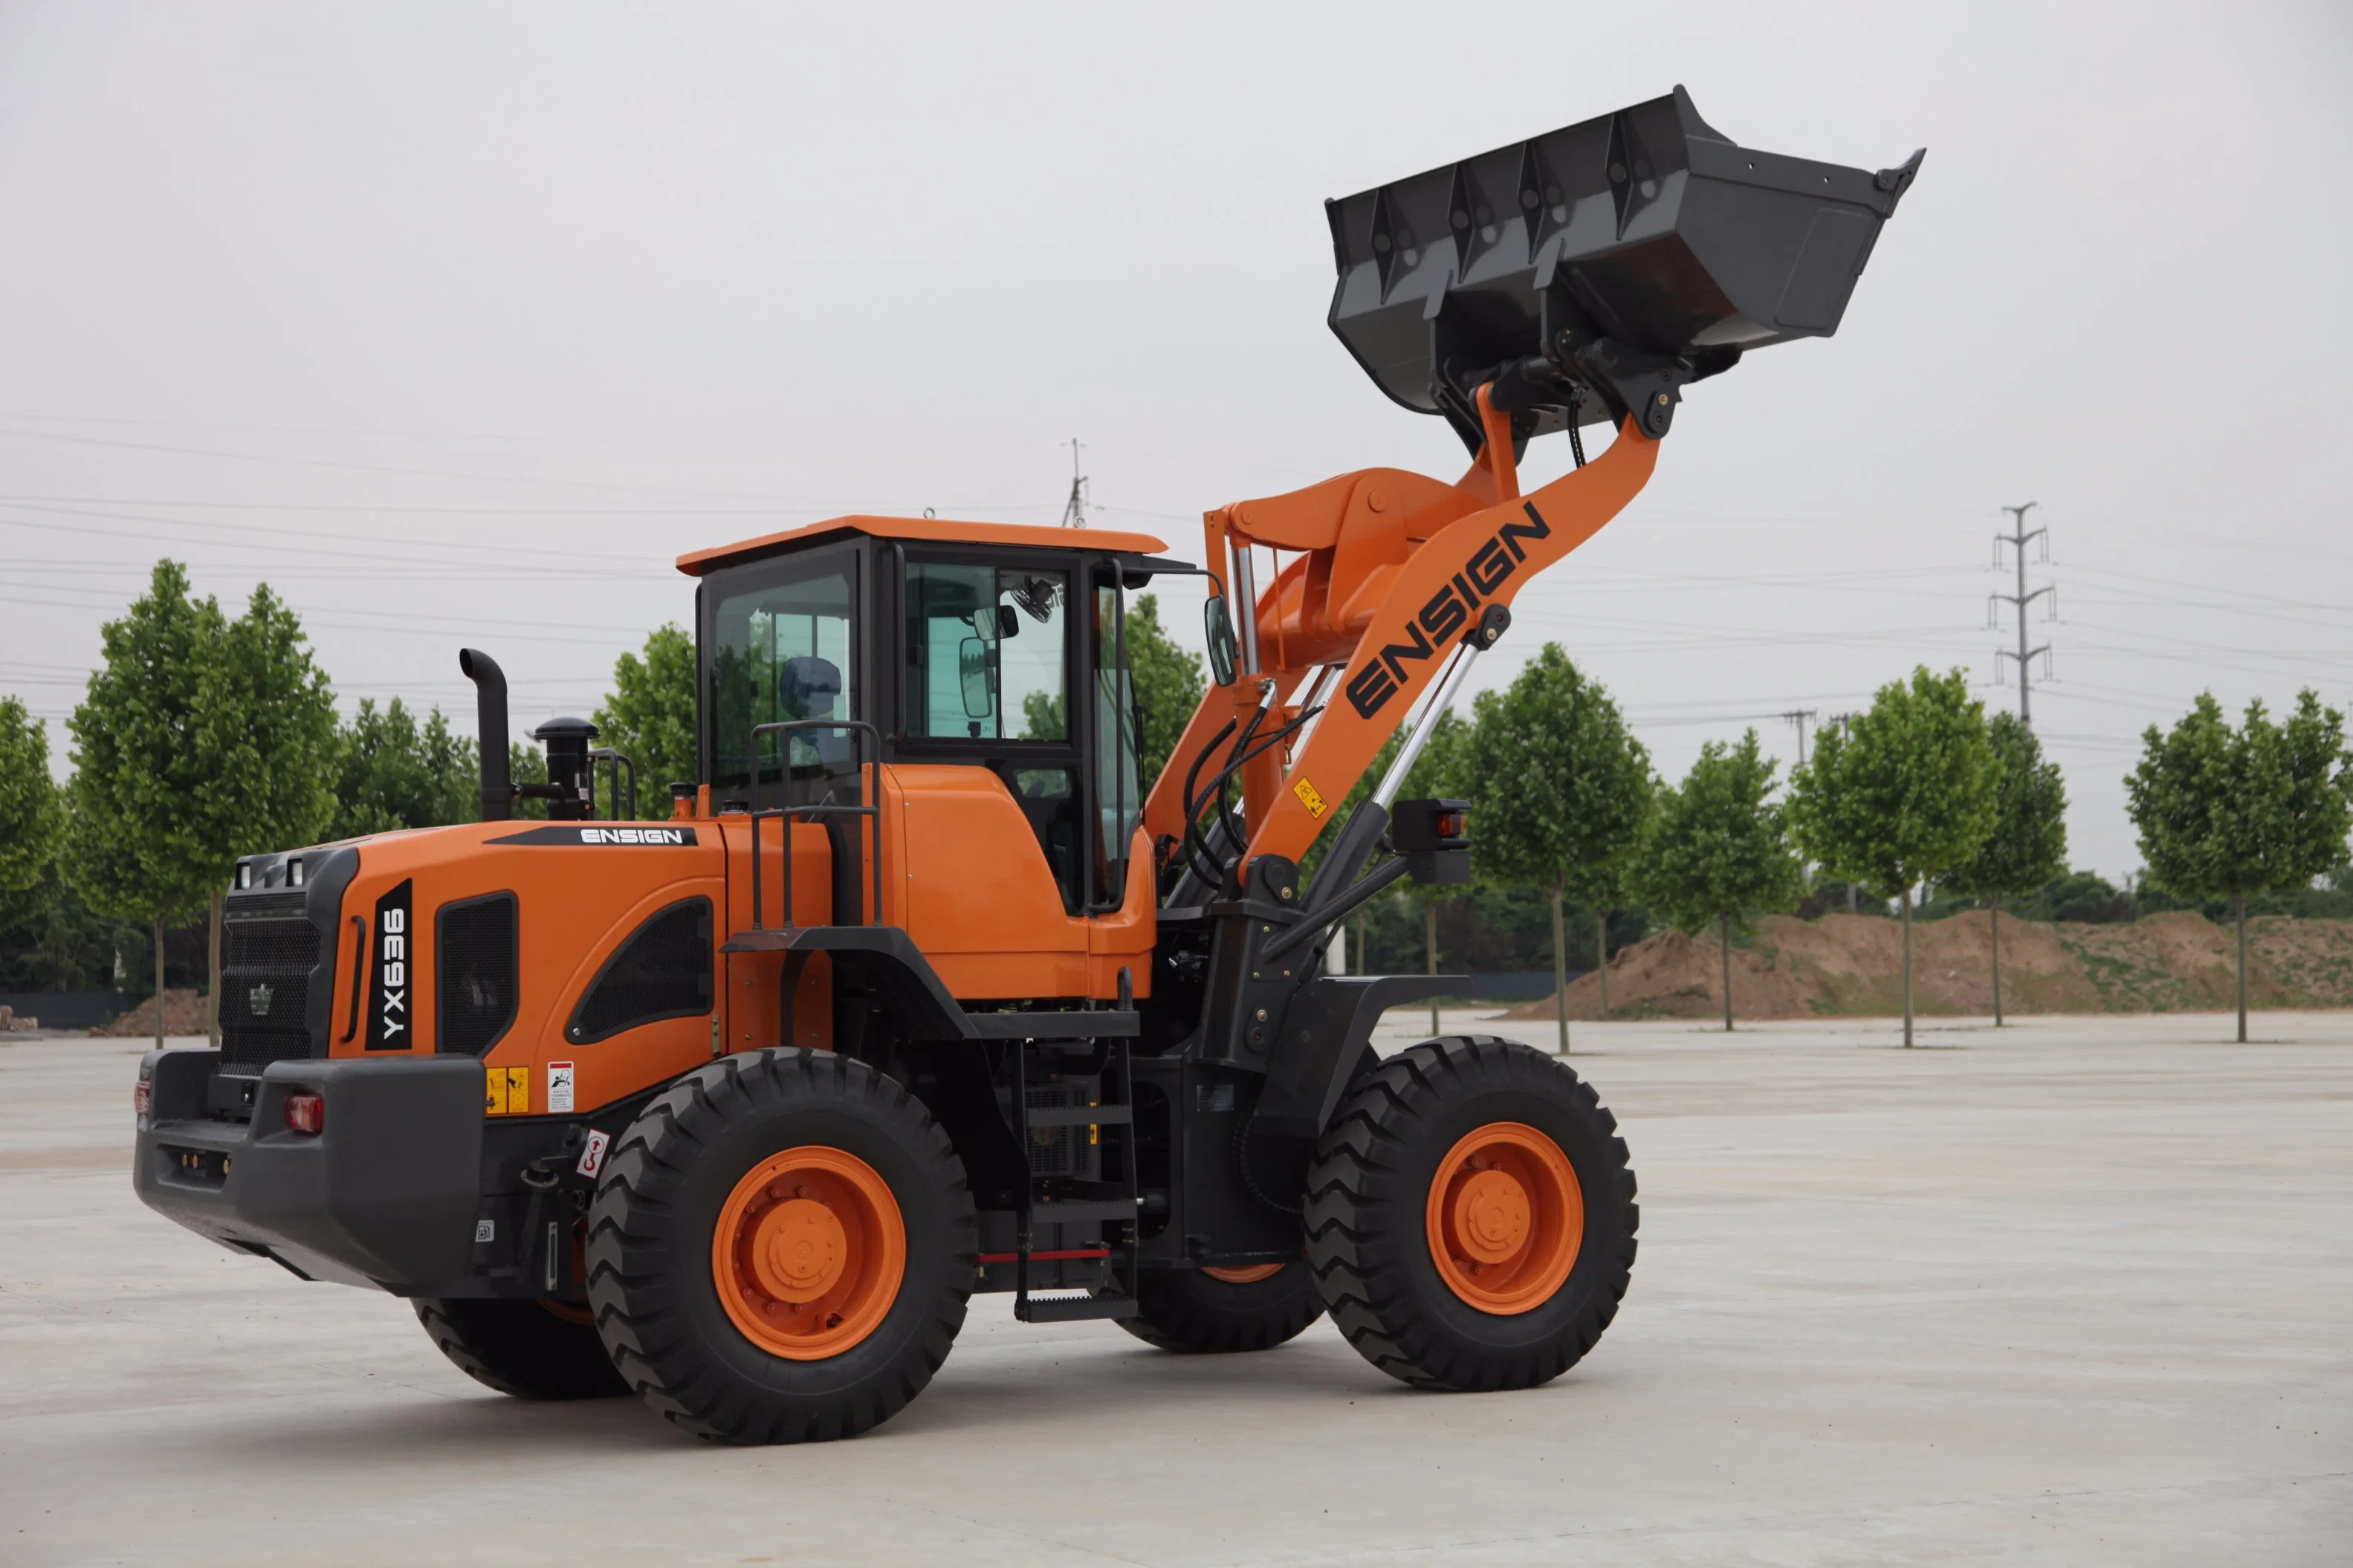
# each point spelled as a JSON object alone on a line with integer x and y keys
{"x": 920, "y": 991}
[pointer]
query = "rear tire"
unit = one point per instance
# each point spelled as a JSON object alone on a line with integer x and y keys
{"x": 781, "y": 1249}
{"x": 521, "y": 1348}
{"x": 1191, "y": 1311}
{"x": 1534, "y": 1209}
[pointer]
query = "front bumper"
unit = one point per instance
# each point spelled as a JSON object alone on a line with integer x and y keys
{"x": 387, "y": 1194}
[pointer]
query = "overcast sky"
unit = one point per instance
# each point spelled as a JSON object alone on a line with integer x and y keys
{"x": 456, "y": 323}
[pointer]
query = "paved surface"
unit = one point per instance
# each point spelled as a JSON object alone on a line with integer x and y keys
{"x": 2080, "y": 1292}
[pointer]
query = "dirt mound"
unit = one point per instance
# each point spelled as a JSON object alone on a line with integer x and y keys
{"x": 1853, "y": 966}
{"x": 184, "y": 1013}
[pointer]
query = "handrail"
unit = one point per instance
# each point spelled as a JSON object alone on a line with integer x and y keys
{"x": 872, "y": 807}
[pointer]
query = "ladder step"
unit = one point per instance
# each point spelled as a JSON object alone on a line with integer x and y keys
{"x": 1082, "y": 1211}
{"x": 765, "y": 940}
{"x": 1073, "y": 1308}
{"x": 1079, "y": 1115}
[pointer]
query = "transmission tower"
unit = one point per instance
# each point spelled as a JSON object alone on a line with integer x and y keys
{"x": 1799, "y": 716}
{"x": 2017, "y": 539}
{"x": 1074, "y": 510}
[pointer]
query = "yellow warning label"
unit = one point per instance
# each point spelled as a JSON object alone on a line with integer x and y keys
{"x": 1310, "y": 798}
{"x": 506, "y": 1091}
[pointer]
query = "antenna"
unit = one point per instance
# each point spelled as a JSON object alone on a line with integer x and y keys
{"x": 1074, "y": 510}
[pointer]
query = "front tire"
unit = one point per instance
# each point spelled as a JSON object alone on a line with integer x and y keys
{"x": 1470, "y": 1216}
{"x": 1206, "y": 1312}
{"x": 781, "y": 1249}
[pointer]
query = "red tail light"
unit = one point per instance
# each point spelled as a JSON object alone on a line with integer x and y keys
{"x": 142, "y": 1097}
{"x": 306, "y": 1113}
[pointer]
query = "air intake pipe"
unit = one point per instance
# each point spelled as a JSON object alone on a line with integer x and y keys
{"x": 490, "y": 723}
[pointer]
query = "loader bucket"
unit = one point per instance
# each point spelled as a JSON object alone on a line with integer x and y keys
{"x": 1591, "y": 272}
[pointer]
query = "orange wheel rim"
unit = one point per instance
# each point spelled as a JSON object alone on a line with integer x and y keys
{"x": 1505, "y": 1218}
{"x": 808, "y": 1252}
{"x": 1249, "y": 1274}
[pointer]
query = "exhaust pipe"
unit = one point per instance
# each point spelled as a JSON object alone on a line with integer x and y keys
{"x": 491, "y": 724}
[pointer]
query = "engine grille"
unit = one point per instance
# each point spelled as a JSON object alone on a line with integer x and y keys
{"x": 266, "y": 968}
{"x": 478, "y": 961}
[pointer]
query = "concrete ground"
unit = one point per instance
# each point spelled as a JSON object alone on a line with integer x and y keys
{"x": 2077, "y": 1293}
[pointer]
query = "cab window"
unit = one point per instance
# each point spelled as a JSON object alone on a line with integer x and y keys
{"x": 779, "y": 646}
{"x": 987, "y": 653}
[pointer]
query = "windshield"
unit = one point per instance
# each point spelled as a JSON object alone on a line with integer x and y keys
{"x": 778, "y": 643}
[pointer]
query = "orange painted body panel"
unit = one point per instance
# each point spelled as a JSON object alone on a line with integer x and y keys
{"x": 969, "y": 881}
{"x": 575, "y": 905}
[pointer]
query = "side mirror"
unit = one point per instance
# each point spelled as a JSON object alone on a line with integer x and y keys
{"x": 974, "y": 672}
{"x": 1219, "y": 625}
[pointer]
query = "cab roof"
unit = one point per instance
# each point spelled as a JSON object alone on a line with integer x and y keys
{"x": 938, "y": 530}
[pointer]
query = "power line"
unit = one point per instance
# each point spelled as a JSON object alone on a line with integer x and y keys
{"x": 1798, "y": 716}
{"x": 2017, "y": 539}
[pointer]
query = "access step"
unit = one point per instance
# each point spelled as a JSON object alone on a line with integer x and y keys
{"x": 1079, "y": 1115}
{"x": 1082, "y": 1211}
{"x": 1073, "y": 1308}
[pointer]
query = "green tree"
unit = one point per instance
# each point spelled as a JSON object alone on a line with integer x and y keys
{"x": 390, "y": 774}
{"x": 1561, "y": 790}
{"x": 1169, "y": 682}
{"x": 269, "y": 735}
{"x": 648, "y": 717}
{"x": 140, "y": 844}
{"x": 31, "y": 811}
{"x": 2028, "y": 847}
{"x": 1904, "y": 794}
{"x": 1717, "y": 849}
{"x": 2239, "y": 812}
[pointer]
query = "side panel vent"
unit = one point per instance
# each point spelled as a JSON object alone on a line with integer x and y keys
{"x": 476, "y": 963}
{"x": 662, "y": 971}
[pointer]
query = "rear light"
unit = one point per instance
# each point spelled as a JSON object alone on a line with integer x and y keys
{"x": 142, "y": 1097}
{"x": 306, "y": 1113}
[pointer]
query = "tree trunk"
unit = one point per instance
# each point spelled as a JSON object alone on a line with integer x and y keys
{"x": 2239, "y": 903}
{"x": 1559, "y": 971}
{"x": 1723, "y": 946}
{"x": 1602, "y": 956}
{"x": 1429, "y": 951}
{"x": 159, "y": 985}
{"x": 212, "y": 964}
{"x": 1907, "y": 966}
{"x": 1994, "y": 919}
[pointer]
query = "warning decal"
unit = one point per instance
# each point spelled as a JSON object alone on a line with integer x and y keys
{"x": 1310, "y": 798}
{"x": 559, "y": 1089}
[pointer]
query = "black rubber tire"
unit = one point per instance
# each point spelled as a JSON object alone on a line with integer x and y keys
{"x": 1187, "y": 1311}
{"x": 521, "y": 1348}
{"x": 650, "y": 1234}
{"x": 1368, "y": 1194}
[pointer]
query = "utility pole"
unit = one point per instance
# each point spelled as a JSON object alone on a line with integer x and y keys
{"x": 1799, "y": 716}
{"x": 1842, "y": 721}
{"x": 1074, "y": 510}
{"x": 2017, "y": 539}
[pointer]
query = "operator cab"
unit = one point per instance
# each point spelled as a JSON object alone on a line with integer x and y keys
{"x": 988, "y": 645}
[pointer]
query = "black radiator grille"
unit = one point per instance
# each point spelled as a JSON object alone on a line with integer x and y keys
{"x": 474, "y": 953}
{"x": 267, "y": 969}
{"x": 662, "y": 971}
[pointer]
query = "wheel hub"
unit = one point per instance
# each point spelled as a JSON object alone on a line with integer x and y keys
{"x": 808, "y": 1252}
{"x": 1491, "y": 1218}
{"x": 1505, "y": 1218}
{"x": 799, "y": 1250}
